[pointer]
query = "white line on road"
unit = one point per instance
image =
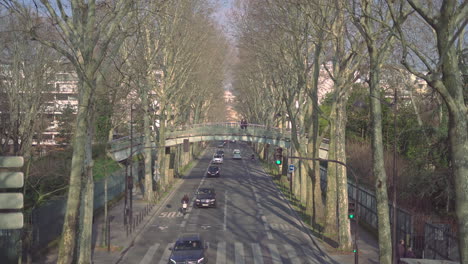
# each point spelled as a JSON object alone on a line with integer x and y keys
{"x": 292, "y": 254}
{"x": 221, "y": 253}
{"x": 225, "y": 210}
{"x": 275, "y": 256}
{"x": 257, "y": 253}
{"x": 239, "y": 253}
{"x": 148, "y": 258}
{"x": 166, "y": 254}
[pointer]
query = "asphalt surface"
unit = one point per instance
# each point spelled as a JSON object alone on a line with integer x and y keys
{"x": 252, "y": 222}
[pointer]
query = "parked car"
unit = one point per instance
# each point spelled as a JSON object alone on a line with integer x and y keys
{"x": 189, "y": 248}
{"x": 205, "y": 197}
{"x": 236, "y": 154}
{"x": 217, "y": 159}
{"x": 213, "y": 171}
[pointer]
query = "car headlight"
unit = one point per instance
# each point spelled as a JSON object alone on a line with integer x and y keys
{"x": 197, "y": 200}
{"x": 200, "y": 260}
{"x": 172, "y": 261}
{"x": 213, "y": 200}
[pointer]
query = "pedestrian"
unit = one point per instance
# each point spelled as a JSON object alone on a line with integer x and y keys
{"x": 409, "y": 253}
{"x": 245, "y": 124}
{"x": 401, "y": 250}
{"x": 242, "y": 123}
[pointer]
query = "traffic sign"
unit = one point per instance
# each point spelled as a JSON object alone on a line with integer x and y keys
{"x": 9, "y": 200}
{"x": 11, "y": 180}
{"x": 291, "y": 168}
{"x": 11, "y": 221}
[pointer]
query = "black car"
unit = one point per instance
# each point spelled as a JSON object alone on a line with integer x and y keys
{"x": 213, "y": 171}
{"x": 206, "y": 197}
{"x": 221, "y": 144}
{"x": 188, "y": 248}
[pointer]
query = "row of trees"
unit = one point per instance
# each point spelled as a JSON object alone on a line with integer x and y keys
{"x": 165, "y": 56}
{"x": 287, "y": 49}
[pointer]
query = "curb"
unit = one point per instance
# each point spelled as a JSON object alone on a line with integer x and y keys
{"x": 324, "y": 254}
{"x": 158, "y": 207}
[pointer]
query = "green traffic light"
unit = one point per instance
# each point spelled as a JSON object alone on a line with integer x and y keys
{"x": 278, "y": 162}
{"x": 354, "y": 251}
{"x": 351, "y": 216}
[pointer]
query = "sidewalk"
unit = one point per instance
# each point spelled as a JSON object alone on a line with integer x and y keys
{"x": 121, "y": 238}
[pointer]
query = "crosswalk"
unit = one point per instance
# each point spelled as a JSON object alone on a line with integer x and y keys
{"x": 222, "y": 252}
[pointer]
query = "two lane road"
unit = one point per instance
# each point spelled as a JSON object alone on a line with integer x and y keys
{"x": 252, "y": 222}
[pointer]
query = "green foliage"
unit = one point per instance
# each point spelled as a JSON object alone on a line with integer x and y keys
{"x": 103, "y": 120}
{"x": 103, "y": 167}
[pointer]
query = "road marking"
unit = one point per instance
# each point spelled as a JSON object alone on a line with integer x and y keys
{"x": 257, "y": 253}
{"x": 148, "y": 258}
{"x": 275, "y": 256}
{"x": 221, "y": 253}
{"x": 239, "y": 253}
{"x": 292, "y": 254}
{"x": 225, "y": 211}
{"x": 166, "y": 254}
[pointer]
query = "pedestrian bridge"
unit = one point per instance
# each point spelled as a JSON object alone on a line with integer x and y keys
{"x": 123, "y": 147}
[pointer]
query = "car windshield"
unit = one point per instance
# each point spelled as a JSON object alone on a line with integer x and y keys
{"x": 205, "y": 191}
{"x": 236, "y": 151}
{"x": 212, "y": 169}
{"x": 188, "y": 245}
{"x": 218, "y": 156}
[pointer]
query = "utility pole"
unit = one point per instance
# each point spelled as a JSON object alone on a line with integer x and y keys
{"x": 394, "y": 178}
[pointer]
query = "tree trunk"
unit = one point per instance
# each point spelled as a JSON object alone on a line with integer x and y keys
{"x": 67, "y": 248}
{"x": 378, "y": 168}
{"x": 148, "y": 195}
{"x": 345, "y": 240}
{"x": 331, "y": 194}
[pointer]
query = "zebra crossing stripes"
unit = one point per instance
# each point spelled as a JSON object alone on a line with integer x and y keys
{"x": 257, "y": 253}
{"x": 221, "y": 253}
{"x": 148, "y": 258}
{"x": 293, "y": 258}
{"x": 275, "y": 256}
{"x": 239, "y": 253}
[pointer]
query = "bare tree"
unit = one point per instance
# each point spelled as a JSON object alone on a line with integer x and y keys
{"x": 446, "y": 22}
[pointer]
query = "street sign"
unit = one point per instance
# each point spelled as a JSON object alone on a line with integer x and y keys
{"x": 11, "y": 162}
{"x": 11, "y": 220}
{"x": 291, "y": 168}
{"x": 11, "y": 180}
{"x": 10, "y": 200}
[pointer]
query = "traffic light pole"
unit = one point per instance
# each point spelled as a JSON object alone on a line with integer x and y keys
{"x": 356, "y": 227}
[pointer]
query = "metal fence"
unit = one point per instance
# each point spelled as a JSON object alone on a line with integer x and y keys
{"x": 440, "y": 243}
{"x": 47, "y": 220}
{"x": 367, "y": 208}
{"x": 436, "y": 243}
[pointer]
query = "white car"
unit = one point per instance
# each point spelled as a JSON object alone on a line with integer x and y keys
{"x": 236, "y": 154}
{"x": 217, "y": 159}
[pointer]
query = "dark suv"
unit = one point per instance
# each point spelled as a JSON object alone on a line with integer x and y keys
{"x": 206, "y": 197}
{"x": 188, "y": 248}
{"x": 213, "y": 171}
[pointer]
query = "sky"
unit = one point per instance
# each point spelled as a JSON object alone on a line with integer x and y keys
{"x": 224, "y": 7}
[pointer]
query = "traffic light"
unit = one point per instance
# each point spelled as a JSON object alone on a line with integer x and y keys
{"x": 279, "y": 156}
{"x": 351, "y": 210}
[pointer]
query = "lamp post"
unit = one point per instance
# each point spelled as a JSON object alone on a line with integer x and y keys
{"x": 394, "y": 178}
{"x": 356, "y": 229}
